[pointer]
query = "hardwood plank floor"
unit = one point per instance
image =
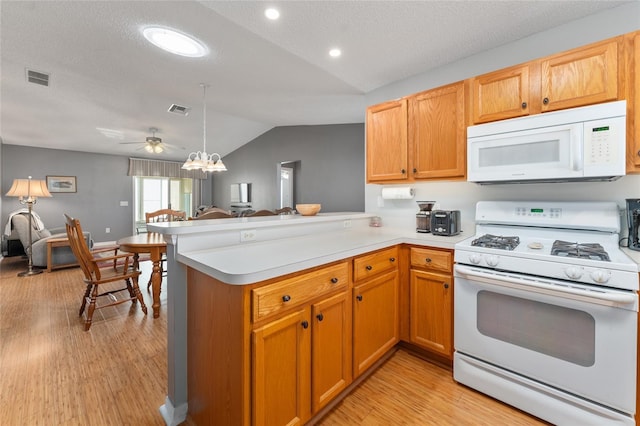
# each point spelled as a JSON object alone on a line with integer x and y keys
{"x": 52, "y": 372}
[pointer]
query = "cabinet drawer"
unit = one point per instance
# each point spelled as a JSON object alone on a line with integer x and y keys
{"x": 437, "y": 260}
{"x": 373, "y": 264}
{"x": 294, "y": 291}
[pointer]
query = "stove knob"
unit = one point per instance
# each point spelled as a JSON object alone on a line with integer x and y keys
{"x": 573, "y": 272}
{"x": 600, "y": 276}
{"x": 492, "y": 260}
{"x": 475, "y": 258}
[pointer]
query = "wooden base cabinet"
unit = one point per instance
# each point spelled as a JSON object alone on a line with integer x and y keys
{"x": 375, "y": 320}
{"x": 431, "y": 300}
{"x": 281, "y": 371}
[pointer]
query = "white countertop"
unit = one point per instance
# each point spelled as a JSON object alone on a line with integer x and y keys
{"x": 252, "y": 262}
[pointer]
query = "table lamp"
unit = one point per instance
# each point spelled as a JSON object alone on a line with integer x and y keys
{"x": 29, "y": 190}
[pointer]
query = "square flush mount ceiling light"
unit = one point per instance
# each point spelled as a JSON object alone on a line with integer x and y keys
{"x": 175, "y": 42}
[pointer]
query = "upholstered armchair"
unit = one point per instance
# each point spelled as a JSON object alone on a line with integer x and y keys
{"x": 60, "y": 255}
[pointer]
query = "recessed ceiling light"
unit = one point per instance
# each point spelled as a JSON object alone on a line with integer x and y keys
{"x": 272, "y": 13}
{"x": 175, "y": 42}
{"x": 334, "y": 53}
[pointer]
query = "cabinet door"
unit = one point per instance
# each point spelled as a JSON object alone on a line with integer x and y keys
{"x": 375, "y": 320}
{"x": 330, "y": 349}
{"x": 582, "y": 77}
{"x": 432, "y": 312}
{"x": 501, "y": 94}
{"x": 387, "y": 141}
{"x": 438, "y": 133}
{"x": 281, "y": 371}
{"x": 633, "y": 107}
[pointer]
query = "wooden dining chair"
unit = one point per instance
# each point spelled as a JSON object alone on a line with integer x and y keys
{"x": 213, "y": 215}
{"x": 162, "y": 215}
{"x": 165, "y": 215}
{"x": 263, "y": 213}
{"x": 285, "y": 210}
{"x": 95, "y": 276}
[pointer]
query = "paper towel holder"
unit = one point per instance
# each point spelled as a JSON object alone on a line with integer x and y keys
{"x": 398, "y": 193}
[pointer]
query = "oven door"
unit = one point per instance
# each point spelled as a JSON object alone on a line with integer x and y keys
{"x": 580, "y": 339}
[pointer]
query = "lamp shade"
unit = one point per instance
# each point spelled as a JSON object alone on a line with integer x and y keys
{"x": 28, "y": 188}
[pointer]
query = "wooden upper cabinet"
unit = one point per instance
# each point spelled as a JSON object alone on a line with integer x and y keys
{"x": 633, "y": 103}
{"x": 501, "y": 94}
{"x": 583, "y": 76}
{"x": 437, "y": 133}
{"x": 387, "y": 141}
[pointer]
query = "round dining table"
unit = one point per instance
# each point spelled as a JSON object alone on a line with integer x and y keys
{"x": 153, "y": 244}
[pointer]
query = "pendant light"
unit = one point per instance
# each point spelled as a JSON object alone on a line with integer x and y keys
{"x": 202, "y": 160}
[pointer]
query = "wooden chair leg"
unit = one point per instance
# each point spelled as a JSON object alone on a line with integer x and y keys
{"x": 84, "y": 299}
{"x": 92, "y": 307}
{"x": 132, "y": 293}
{"x": 138, "y": 295}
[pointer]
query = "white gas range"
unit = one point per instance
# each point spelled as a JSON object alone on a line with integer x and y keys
{"x": 546, "y": 311}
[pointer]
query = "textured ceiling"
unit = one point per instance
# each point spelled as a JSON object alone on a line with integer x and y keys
{"x": 261, "y": 73}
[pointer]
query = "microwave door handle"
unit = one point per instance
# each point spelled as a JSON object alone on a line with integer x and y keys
{"x": 576, "y": 149}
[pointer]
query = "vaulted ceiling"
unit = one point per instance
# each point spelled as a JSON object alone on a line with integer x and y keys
{"x": 108, "y": 85}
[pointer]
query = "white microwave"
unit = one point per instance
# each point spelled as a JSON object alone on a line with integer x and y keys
{"x": 586, "y": 143}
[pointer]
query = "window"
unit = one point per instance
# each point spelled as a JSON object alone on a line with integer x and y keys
{"x": 155, "y": 193}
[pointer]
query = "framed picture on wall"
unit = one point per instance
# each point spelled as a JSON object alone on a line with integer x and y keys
{"x": 61, "y": 184}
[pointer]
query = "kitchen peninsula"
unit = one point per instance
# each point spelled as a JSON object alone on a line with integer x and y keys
{"x": 238, "y": 289}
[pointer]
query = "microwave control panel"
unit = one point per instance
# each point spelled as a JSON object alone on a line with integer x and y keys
{"x": 604, "y": 145}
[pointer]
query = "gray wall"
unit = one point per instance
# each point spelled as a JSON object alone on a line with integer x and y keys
{"x": 102, "y": 183}
{"x": 331, "y": 167}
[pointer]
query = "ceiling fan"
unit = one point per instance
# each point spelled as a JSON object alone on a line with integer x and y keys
{"x": 153, "y": 144}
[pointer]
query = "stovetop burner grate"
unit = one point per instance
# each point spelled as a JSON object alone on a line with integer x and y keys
{"x": 592, "y": 251}
{"x": 497, "y": 242}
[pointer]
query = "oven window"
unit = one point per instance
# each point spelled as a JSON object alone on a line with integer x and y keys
{"x": 560, "y": 332}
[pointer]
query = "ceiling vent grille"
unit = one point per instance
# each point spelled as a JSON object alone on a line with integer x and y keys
{"x": 37, "y": 77}
{"x": 179, "y": 109}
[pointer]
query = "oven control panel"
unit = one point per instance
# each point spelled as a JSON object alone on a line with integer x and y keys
{"x": 551, "y": 213}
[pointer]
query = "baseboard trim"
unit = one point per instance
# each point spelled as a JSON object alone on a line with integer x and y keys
{"x": 173, "y": 416}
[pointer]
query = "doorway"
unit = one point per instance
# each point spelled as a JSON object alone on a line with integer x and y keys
{"x": 287, "y": 172}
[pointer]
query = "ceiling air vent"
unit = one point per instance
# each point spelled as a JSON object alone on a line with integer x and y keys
{"x": 179, "y": 109}
{"x": 37, "y": 77}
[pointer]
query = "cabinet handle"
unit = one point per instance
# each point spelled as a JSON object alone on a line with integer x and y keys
{"x": 334, "y": 280}
{"x": 638, "y": 153}
{"x": 524, "y": 105}
{"x": 359, "y": 297}
{"x": 403, "y": 171}
{"x": 545, "y": 101}
{"x": 305, "y": 324}
{"x": 320, "y": 317}
{"x": 415, "y": 170}
{"x": 368, "y": 267}
{"x": 286, "y": 298}
{"x": 392, "y": 259}
{"x": 428, "y": 260}
{"x": 446, "y": 285}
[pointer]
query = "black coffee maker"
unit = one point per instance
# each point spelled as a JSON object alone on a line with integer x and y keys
{"x": 423, "y": 217}
{"x": 633, "y": 219}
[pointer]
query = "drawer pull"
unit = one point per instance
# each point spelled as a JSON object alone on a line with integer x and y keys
{"x": 545, "y": 101}
{"x": 428, "y": 260}
{"x": 334, "y": 280}
{"x": 524, "y": 105}
{"x": 320, "y": 317}
{"x": 392, "y": 259}
{"x": 305, "y": 324}
{"x": 359, "y": 297}
{"x": 368, "y": 267}
{"x": 286, "y": 298}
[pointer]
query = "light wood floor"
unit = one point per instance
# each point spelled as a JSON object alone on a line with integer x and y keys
{"x": 52, "y": 372}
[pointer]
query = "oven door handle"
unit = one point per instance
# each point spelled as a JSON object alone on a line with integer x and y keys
{"x": 538, "y": 285}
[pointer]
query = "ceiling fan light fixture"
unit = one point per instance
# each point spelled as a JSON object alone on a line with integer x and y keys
{"x": 175, "y": 42}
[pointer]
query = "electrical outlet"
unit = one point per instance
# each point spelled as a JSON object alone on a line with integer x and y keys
{"x": 107, "y": 230}
{"x": 247, "y": 235}
{"x": 347, "y": 223}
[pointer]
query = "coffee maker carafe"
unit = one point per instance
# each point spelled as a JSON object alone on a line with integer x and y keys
{"x": 633, "y": 219}
{"x": 423, "y": 217}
